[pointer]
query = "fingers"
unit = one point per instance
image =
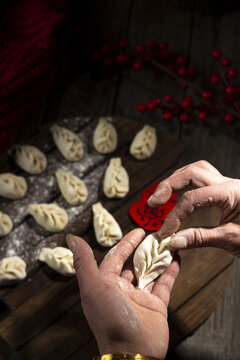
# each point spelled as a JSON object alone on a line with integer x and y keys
{"x": 128, "y": 273}
{"x": 224, "y": 195}
{"x": 117, "y": 256}
{"x": 193, "y": 175}
{"x": 226, "y": 237}
{"x": 163, "y": 285}
{"x": 84, "y": 263}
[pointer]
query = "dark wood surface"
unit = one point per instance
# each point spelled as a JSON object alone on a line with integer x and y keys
{"x": 193, "y": 35}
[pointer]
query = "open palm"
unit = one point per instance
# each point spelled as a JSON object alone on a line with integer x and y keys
{"x": 123, "y": 319}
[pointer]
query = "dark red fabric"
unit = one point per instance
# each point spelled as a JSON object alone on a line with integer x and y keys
{"x": 33, "y": 38}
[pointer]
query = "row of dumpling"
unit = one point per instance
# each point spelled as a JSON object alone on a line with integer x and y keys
{"x": 52, "y": 217}
{"x": 34, "y": 161}
{"x": 107, "y": 232}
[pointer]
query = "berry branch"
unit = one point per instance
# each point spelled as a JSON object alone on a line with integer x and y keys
{"x": 159, "y": 58}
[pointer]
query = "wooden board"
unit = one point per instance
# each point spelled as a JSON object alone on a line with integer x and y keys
{"x": 44, "y": 311}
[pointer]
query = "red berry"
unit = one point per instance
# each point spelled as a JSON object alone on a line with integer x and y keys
{"x": 182, "y": 72}
{"x": 226, "y": 62}
{"x": 229, "y": 89}
{"x": 153, "y": 45}
{"x": 232, "y": 73}
{"x": 163, "y": 45}
{"x": 168, "y": 98}
{"x": 138, "y": 65}
{"x": 191, "y": 71}
{"x": 181, "y": 60}
{"x": 167, "y": 115}
{"x": 184, "y": 117}
{"x": 228, "y": 118}
{"x": 164, "y": 54}
{"x": 202, "y": 116}
{"x": 123, "y": 43}
{"x": 140, "y": 48}
{"x": 96, "y": 56}
{"x": 105, "y": 49}
{"x": 216, "y": 54}
{"x": 215, "y": 78}
{"x": 107, "y": 62}
{"x": 206, "y": 95}
{"x": 122, "y": 58}
{"x": 152, "y": 106}
{"x": 142, "y": 108}
{"x": 184, "y": 86}
{"x": 156, "y": 100}
{"x": 188, "y": 99}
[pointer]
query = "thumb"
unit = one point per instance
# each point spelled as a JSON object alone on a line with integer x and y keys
{"x": 84, "y": 263}
{"x": 201, "y": 237}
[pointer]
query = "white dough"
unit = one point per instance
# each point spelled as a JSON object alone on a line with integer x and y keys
{"x": 144, "y": 143}
{"x": 12, "y": 186}
{"x": 29, "y": 158}
{"x": 50, "y": 216}
{"x": 59, "y": 259}
{"x": 106, "y": 228}
{"x": 105, "y": 137}
{"x": 68, "y": 143}
{"x": 151, "y": 259}
{"x": 72, "y": 188}
{"x": 116, "y": 180}
{"x": 12, "y": 269}
{"x": 6, "y": 224}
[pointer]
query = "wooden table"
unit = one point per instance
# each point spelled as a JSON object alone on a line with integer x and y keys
{"x": 194, "y": 36}
{"x": 42, "y": 316}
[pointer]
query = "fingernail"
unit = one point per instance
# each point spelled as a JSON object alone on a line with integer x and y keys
{"x": 71, "y": 242}
{"x": 177, "y": 243}
{"x": 150, "y": 199}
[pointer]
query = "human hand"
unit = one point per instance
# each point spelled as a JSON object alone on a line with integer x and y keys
{"x": 212, "y": 189}
{"x": 123, "y": 319}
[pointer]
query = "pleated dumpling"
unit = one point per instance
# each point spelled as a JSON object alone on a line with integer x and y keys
{"x": 151, "y": 259}
{"x": 29, "y": 158}
{"x": 144, "y": 143}
{"x": 106, "y": 228}
{"x": 68, "y": 143}
{"x": 50, "y": 216}
{"x": 105, "y": 137}
{"x": 59, "y": 259}
{"x": 6, "y": 224}
{"x": 12, "y": 269}
{"x": 72, "y": 188}
{"x": 12, "y": 186}
{"x": 116, "y": 180}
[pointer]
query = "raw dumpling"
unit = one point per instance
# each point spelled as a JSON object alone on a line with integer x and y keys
{"x": 5, "y": 224}
{"x": 144, "y": 143}
{"x": 105, "y": 137}
{"x": 116, "y": 180}
{"x": 29, "y": 158}
{"x": 50, "y": 216}
{"x": 12, "y": 186}
{"x": 59, "y": 259}
{"x": 106, "y": 228}
{"x": 68, "y": 143}
{"x": 72, "y": 188}
{"x": 151, "y": 259}
{"x": 12, "y": 269}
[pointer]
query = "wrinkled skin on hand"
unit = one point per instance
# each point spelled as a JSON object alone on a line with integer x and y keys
{"x": 123, "y": 319}
{"x": 211, "y": 189}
